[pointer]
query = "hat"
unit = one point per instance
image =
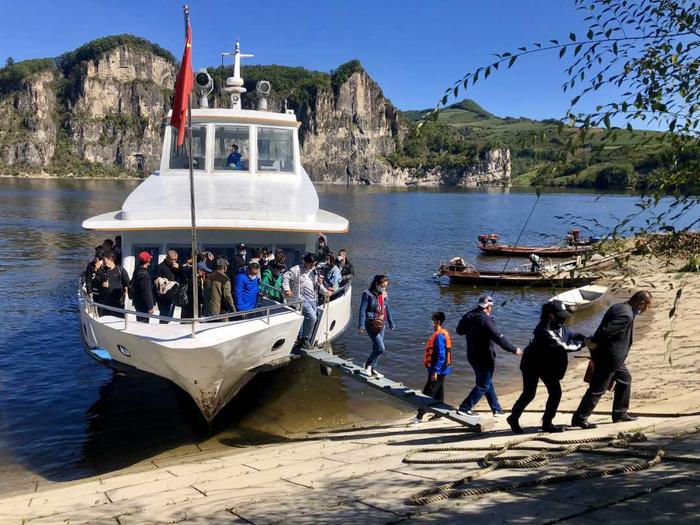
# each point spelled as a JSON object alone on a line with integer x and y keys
{"x": 201, "y": 265}
{"x": 485, "y": 301}
{"x": 559, "y": 309}
{"x": 240, "y": 247}
{"x": 145, "y": 257}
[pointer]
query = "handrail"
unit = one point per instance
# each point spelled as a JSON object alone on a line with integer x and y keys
{"x": 246, "y": 314}
{"x": 188, "y": 320}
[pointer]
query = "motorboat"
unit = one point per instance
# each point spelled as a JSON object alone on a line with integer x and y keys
{"x": 264, "y": 199}
{"x": 582, "y": 297}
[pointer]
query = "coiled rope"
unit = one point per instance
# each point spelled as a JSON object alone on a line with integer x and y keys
{"x": 622, "y": 445}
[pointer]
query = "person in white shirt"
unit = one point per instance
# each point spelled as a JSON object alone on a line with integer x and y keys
{"x": 304, "y": 282}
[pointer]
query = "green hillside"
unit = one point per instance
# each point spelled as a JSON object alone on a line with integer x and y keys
{"x": 539, "y": 154}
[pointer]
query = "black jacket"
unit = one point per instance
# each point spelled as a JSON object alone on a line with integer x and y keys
{"x": 118, "y": 281}
{"x": 163, "y": 270}
{"x": 237, "y": 262}
{"x": 547, "y": 353}
{"x": 142, "y": 290}
{"x": 614, "y": 336}
{"x": 482, "y": 333}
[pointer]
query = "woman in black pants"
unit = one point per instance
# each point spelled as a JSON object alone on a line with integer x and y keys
{"x": 546, "y": 358}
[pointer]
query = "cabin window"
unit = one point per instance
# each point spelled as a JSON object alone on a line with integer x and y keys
{"x": 232, "y": 148}
{"x": 178, "y": 155}
{"x": 275, "y": 149}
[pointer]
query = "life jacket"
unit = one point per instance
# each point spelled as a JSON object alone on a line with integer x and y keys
{"x": 430, "y": 346}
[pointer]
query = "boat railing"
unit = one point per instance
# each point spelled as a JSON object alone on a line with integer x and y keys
{"x": 263, "y": 313}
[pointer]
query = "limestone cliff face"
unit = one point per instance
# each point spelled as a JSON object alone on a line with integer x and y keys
{"x": 346, "y": 135}
{"x": 102, "y": 110}
{"x": 118, "y": 108}
{"x": 27, "y": 127}
{"x": 494, "y": 169}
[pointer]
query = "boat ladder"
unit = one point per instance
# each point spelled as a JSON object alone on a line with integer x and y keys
{"x": 396, "y": 390}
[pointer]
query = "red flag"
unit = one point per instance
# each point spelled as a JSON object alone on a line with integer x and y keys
{"x": 183, "y": 86}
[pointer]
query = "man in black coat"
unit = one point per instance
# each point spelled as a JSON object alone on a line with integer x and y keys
{"x": 609, "y": 348}
{"x": 111, "y": 283}
{"x": 238, "y": 261}
{"x": 142, "y": 288}
{"x": 481, "y": 332}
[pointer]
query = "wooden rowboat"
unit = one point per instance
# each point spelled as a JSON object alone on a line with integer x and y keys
{"x": 582, "y": 297}
{"x": 526, "y": 251}
{"x": 460, "y": 274}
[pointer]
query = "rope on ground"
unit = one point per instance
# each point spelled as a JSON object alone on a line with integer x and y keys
{"x": 622, "y": 445}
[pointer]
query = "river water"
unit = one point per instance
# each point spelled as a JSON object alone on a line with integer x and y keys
{"x": 64, "y": 417}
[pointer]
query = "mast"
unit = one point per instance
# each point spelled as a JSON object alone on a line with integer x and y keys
{"x": 234, "y": 84}
{"x": 195, "y": 284}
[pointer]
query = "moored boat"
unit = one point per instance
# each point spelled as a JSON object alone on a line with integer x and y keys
{"x": 461, "y": 273}
{"x": 264, "y": 197}
{"x": 526, "y": 251}
{"x": 582, "y": 297}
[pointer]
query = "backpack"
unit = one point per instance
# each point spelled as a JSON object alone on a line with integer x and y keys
{"x": 180, "y": 296}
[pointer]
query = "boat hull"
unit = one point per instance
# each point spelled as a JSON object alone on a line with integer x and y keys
{"x": 213, "y": 366}
{"x": 526, "y": 251}
{"x": 517, "y": 279}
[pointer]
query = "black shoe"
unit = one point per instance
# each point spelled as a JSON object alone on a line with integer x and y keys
{"x": 551, "y": 428}
{"x": 622, "y": 418}
{"x": 306, "y": 344}
{"x": 582, "y": 423}
{"x": 514, "y": 424}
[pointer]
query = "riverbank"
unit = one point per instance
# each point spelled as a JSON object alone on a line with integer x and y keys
{"x": 358, "y": 473}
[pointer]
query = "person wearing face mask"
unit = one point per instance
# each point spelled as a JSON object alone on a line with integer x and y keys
{"x": 238, "y": 261}
{"x": 347, "y": 271}
{"x": 546, "y": 358}
{"x": 304, "y": 282}
{"x": 609, "y": 347}
{"x": 375, "y": 314}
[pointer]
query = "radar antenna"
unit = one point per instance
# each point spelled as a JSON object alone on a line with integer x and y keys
{"x": 234, "y": 84}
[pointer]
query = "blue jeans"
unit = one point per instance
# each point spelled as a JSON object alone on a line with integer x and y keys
{"x": 484, "y": 386}
{"x": 309, "y": 309}
{"x": 377, "y": 347}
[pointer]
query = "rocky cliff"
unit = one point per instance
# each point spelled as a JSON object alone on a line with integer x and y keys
{"x": 100, "y": 110}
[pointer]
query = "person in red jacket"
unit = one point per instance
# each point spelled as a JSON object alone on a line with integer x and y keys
{"x": 438, "y": 361}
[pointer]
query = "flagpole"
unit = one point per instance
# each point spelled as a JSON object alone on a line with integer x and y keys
{"x": 195, "y": 283}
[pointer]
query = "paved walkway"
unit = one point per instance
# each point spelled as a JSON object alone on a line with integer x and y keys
{"x": 358, "y": 476}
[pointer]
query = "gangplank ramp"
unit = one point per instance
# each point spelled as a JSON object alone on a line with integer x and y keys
{"x": 397, "y": 390}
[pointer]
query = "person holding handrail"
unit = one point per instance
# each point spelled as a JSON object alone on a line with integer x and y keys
{"x": 217, "y": 291}
{"x": 375, "y": 314}
{"x": 112, "y": 281}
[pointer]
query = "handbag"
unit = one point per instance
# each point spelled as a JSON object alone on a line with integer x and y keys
{"x": 376, "y": 325}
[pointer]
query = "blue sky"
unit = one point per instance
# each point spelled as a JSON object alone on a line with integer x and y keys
{"x": 413, "y": 49}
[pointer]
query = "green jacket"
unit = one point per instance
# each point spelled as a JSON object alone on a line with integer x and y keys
{"x": 217, "y": 294}
{"x": 271, "y": 286}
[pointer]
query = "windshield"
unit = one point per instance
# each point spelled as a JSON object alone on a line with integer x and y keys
{"x": 275, "y": 149}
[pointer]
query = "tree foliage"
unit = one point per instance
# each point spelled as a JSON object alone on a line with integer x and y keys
{"x": 649, "y": 52}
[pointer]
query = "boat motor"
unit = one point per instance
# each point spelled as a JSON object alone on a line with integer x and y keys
{"x": 263, "y": 89}
{"x": 204, "y": 85}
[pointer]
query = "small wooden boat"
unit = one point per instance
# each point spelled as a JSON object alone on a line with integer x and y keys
{"x": 460, "y": 273}
{"x": 526, "y": 251}
{"x": 582, "y": 297}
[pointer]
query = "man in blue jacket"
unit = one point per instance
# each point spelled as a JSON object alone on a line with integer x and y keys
{"x": 247, "y": 287}
{"x": 481, "y": 332}
{"x": 437, "y": 359}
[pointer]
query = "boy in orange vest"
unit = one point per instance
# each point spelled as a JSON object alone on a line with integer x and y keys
{"x": 437, "y": 359}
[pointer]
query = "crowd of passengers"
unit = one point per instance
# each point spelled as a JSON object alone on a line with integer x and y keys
{"x": 223, "y": 286}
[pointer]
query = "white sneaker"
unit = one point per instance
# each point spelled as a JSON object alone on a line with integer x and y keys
{"x": 367, "y": 371}
{"x": 415, "y": 422}
{"x": 500, "y": 414}
{"x": 461, "y": 412}
{"x": 376, "y": 373}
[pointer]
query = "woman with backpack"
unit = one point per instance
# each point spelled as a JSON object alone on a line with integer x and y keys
{"x": 375, "y": 314}
{"x": 546, "y": 358}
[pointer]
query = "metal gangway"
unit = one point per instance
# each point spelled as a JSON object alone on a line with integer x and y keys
{"x": 395, "y": 389}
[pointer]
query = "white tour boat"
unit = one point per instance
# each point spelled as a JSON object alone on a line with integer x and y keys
{"x": 270, "y": 201}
